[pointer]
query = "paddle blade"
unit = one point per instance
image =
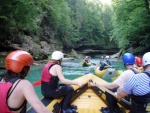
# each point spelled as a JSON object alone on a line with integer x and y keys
{"x": 37, "y": 83}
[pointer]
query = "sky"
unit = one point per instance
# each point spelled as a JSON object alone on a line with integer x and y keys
{"x": 106, "y": 1}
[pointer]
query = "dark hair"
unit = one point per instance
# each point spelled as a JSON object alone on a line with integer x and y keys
{"x": 9, "y": 74}
{"x": 146, "y": 66}
{"x": 57, "y": 61}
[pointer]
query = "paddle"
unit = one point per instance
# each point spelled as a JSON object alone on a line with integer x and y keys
{"x": 105, "y": 67}
{"x": 93, "y": 63}
{"x": 37, "y": 83}
{"x": 113, "y": 94}
{"x": 106, "y": 64}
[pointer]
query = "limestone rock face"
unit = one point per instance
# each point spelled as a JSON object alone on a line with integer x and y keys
{"x": 45, "y": 46}
{"x": 35, "y": 49}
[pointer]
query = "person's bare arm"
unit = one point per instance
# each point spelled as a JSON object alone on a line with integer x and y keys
{"x": 97, "y": 65}
{"x": 32, "y": 98}
{"x": 63, "y": 80}
{"x": 120, "y": 93}
{"x": 107, "y": 85}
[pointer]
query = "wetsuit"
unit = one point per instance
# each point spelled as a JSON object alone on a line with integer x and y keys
{"x": 5, "y": 87}
{"x": 51, "y": 89}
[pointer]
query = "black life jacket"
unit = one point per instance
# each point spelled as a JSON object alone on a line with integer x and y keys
{"x": 102, "y": 65}
{"x": 141, "y": 104}
{"x": 135, "y": 71}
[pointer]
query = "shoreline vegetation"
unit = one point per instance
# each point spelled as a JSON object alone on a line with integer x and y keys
{"x": 67, "y": 57}
{"x": 2, "y": 65}
{"x": 40, "y": 62}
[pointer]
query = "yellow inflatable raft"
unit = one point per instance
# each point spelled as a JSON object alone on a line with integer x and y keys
{"x": 108, "y": 73}
{"x": 87, "y": 99}
{"x": 86, "y": 64}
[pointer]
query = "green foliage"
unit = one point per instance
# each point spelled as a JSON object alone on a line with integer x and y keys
{"x": 72, "y": 22}
{"x": 86, "y": 22}
{"x": 131, "y": 24}
{"x": 18, "y": 14}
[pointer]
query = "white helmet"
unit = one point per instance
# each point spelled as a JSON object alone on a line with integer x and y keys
{"x": 146, "y": 59}
{"x": 57, "y": 55}
{"x": 107, "y": 56}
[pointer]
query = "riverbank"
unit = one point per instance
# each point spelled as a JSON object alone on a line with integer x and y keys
{"x": 40, "y": 62}
{"x": 2, "y": 64}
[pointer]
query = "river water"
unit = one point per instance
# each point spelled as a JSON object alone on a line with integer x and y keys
{"x": 71, "y": 70}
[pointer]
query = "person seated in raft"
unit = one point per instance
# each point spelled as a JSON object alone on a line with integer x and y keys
{"x": 100, "y": 64}
{"x": 138, "y": 64}
{"x": 51, "y": 75}
{"x": 129, "y": 61}
{"x": 87, "y": 59}
{"x": 15, "y": 91}
{"x": 108, "y": 63}
{"x": 139, "y": 87}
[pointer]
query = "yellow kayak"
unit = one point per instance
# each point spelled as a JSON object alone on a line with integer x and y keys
{"x": 87, "y": 99}
{"x": 86, "y": 64}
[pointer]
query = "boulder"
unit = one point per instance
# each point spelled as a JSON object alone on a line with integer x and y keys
{"x": 35, "y": 49}
{"x": 45, "y": 46}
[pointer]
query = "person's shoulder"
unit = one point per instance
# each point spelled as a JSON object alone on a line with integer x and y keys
{"x": 141, "y": 74}
{"x": 25, "y": 82}
{"x": 130, "y": 71}
{"x": 126, "y": 71}
{"x": 138, "y": 76}
{"x": 57, "y": 66}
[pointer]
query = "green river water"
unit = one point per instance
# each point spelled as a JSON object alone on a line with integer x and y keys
{"x": 71, "y": 70}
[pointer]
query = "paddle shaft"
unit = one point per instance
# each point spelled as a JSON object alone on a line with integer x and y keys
{"x": 106, "y": 63}
{"x": 110, "y": 92}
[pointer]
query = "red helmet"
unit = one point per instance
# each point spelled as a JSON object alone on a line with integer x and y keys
{"x": 16, "y": 60}
{"x": 138, "y": 61}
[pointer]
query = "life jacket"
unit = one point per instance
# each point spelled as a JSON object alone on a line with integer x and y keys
{"x": 108, "y": 62}
{"x": 141, "y": 103}
{"x": 46, "y": 76}
{"x": 135, "y": 71}
{"x": 102, "y": 65}
{"x": 5, "y": 94}
{"x": 4, "y": 89}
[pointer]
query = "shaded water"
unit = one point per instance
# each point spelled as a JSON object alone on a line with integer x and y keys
{"x": 71, "y": 69}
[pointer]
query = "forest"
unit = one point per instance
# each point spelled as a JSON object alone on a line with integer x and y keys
{"x": 74, "y": 23}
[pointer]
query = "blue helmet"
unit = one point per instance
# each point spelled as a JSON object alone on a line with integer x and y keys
{"x": 102, "y": 57}
{"x": 128, "y": 59}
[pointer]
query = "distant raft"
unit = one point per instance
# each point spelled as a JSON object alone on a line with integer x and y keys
{"x": 88, "y": 99}
{"x": 86, "y": 64}
{"x": 108, "y": 73}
